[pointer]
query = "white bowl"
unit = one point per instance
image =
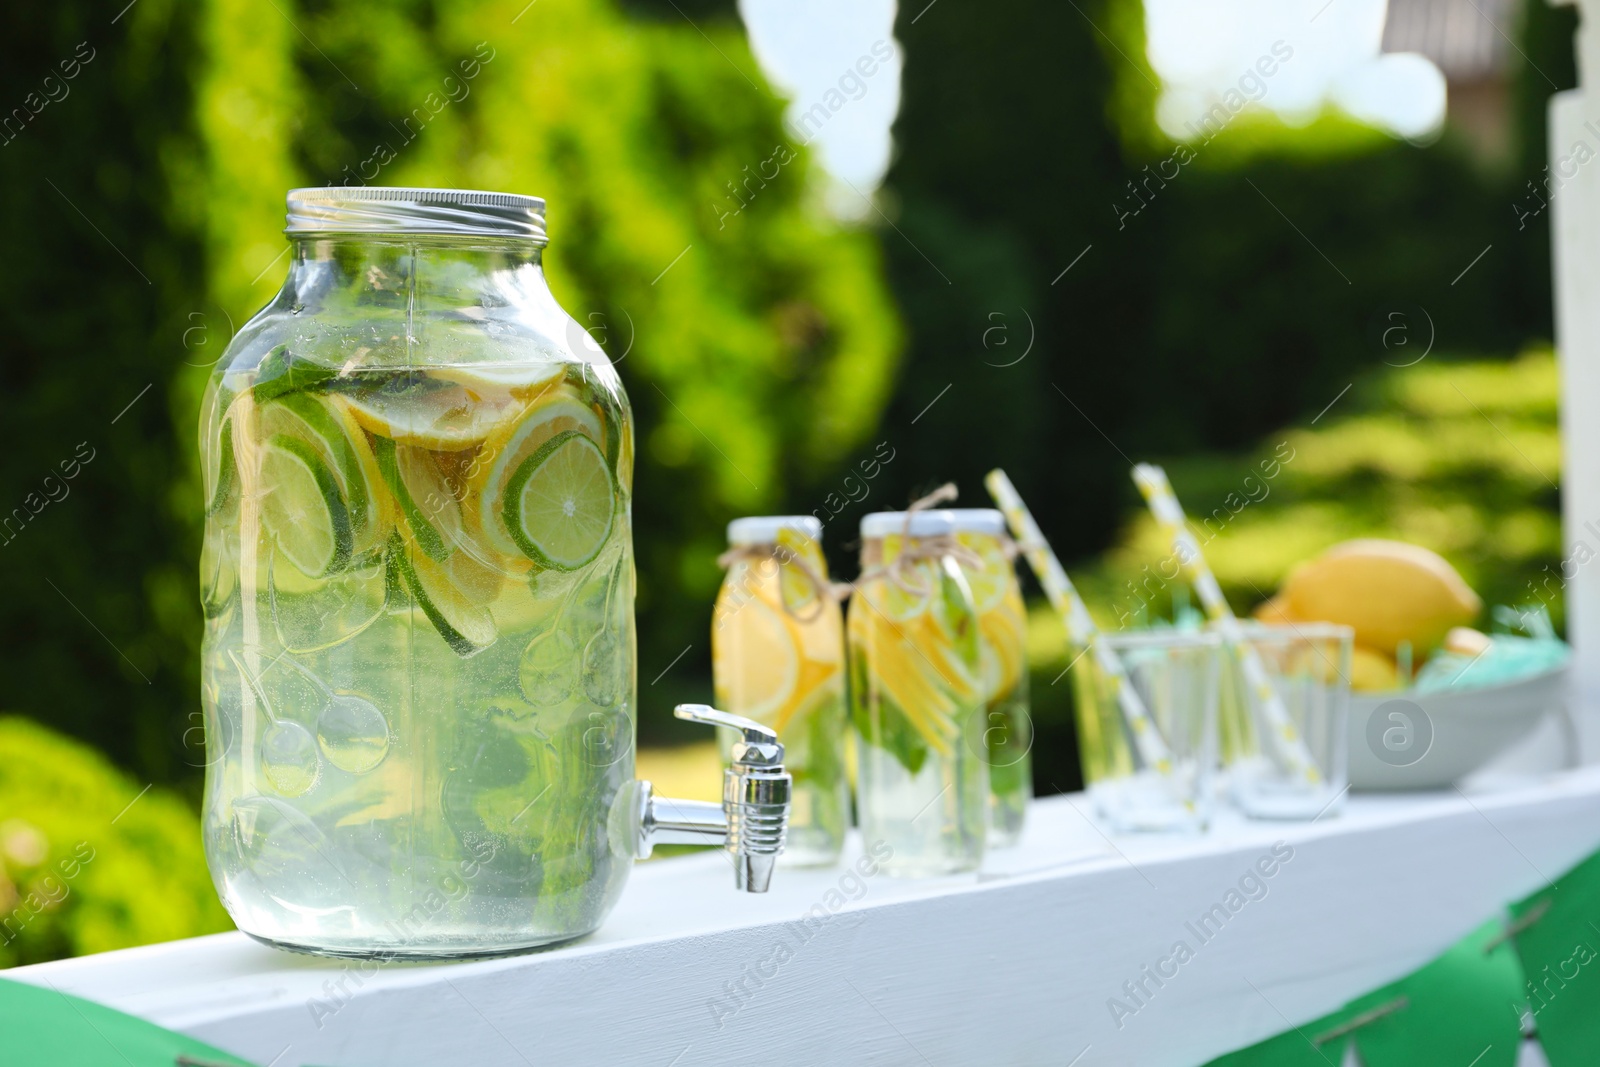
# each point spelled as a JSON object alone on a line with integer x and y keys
{"x": 1468, "y": 727}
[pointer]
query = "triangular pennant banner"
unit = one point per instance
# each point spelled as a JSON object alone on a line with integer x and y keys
{"x": 1458, "y": 1010}
{"x": 1557, "y": 934}
{"x": 51, "y": 1029}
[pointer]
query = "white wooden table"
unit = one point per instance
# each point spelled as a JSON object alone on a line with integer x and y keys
{"x": 1014, "y": 965}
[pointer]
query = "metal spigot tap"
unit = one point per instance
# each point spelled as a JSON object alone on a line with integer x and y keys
{"x": 754, "y": 815}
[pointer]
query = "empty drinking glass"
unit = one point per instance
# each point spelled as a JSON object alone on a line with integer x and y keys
{"x": 1174, "y": 675}
{"x": 1290, "y": 756}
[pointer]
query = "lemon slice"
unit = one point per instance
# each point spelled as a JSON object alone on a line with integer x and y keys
{"x": 755, "y": 661}
{"x": 561, "y": 503}
{"x": 1005, "y": 640}
{"x": 502, "y": 455}
{"x": 520, "y": 381}
{"x": 430, "y": 412}
{"x": 430, "y": 510}
{"x": 990, "y": 582}
{"x": 327, "y": 424}
{"x": 465, "y": 624}
{"x": 885, "y": 597}
{"x": 796, "y": 589}
{"x": 302, "y": 508}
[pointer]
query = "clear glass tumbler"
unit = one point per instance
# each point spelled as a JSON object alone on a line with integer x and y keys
{"x": 1300, "y": 772}
{"x": 917, "y": 697}
{"x": 1175, "y": 676}
{"x": 777, "y": 656}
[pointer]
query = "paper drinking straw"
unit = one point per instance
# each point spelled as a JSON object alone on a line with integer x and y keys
{"x": 1152, "y": 482}
{"x": 1081, "y": 630}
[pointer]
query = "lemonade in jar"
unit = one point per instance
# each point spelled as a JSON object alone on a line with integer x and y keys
{"x": 777, "y": 656}
{"x": 417, "y": 580}
{"x": 1003, "y": 666}
{"x": 918, "y": 696}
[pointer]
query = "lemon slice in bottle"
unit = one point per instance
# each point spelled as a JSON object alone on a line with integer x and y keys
{"x": 795, "y": 587}
{"x": 988, "y": 584}
{"x": 754, "y": 654}
{"x": 465, "y": 624}
{"x": 302, "y": 508}
{"x": 431, "y": 512}
{"x": 561, "y": 503}
{"x": 521, "y": 381}
{"x": 431, "y": 413}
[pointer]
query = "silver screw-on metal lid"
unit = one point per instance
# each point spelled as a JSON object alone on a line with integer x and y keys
{"x": 441, "y": 212}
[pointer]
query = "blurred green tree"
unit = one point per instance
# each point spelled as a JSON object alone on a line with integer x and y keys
{"x": 99, "y": 616}
{"x": 755, "y": 339}
{"x": 1192, "y": 313}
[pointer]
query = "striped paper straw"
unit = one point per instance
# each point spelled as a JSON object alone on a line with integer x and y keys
{"x": 1152, "y": 482}
{"x": 1081, "y": 630}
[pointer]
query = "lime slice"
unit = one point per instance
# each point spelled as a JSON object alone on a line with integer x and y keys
{"x": 282, "y": 372}
{"x": 466, "y": 626}
{"x": 561, "y": 503}
{"x": 429, "y": 412}
{"x": 430, "y": 510}
{"x": 224, "y": 480}
{"x": 326, "y": 423}
{"x": 503, "y": 454}
{"x": 302, "y": 508}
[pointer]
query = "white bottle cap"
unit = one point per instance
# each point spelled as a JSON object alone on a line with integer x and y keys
{"x": 763, "y": 529}
{"x": 923, "y": 524}
{"x": 979, "y": 521}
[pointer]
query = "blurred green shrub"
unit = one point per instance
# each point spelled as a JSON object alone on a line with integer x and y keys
{"x": 87, "y": 862}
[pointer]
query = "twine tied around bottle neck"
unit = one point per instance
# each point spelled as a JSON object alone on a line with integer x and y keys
{"x": 920, "y": 549}
{"x": 783, "y": 555}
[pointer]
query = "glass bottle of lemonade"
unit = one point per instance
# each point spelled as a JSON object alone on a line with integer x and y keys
{"x": 418, "y": 580}
{"x": 777, "y": 656}
{"x": 1003, "y": 651}
{"x": 917, "y": 696}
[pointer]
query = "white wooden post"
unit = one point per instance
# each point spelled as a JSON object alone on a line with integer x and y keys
{"x": 1575, "y": 240}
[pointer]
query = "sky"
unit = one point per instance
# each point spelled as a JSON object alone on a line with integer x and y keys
{"x": 813, "y": 51}
{"x": 816, "y": 51}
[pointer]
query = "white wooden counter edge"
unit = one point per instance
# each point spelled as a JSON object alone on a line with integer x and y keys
{"x": 1017, "y": 965}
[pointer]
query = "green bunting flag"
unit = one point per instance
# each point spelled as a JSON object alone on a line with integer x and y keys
{"x": 46, "y": 1027}
{"x": 1557, "y": 934}
{"x": 1467, "y": 1006}
{"x": 1457, "y": 1010}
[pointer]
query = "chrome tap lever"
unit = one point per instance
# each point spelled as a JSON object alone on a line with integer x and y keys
{"x": 755, "y": 803}
{"x": 758, "y": 744}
